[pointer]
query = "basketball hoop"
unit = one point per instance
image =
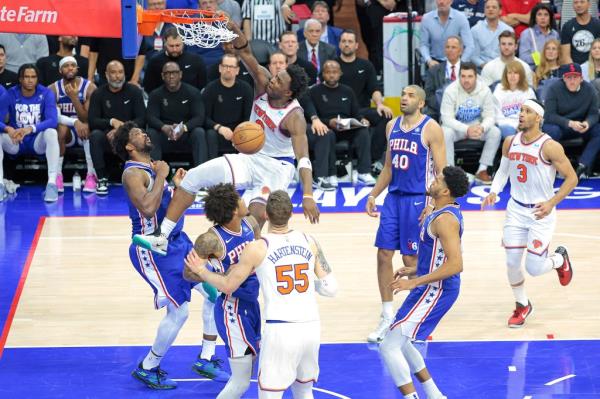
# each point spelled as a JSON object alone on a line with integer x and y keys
{"x": 200, "y": 28}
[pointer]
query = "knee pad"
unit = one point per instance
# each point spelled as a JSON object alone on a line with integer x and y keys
{"x": 413, "y": 357}
{"x": 178, "y": 315}
{"x": 536, "y": 264}
{"x": 208, "y": 318}
{"x": 397, "y": 365}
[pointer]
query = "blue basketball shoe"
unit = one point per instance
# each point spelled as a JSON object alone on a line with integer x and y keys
{"x": 212, "y": 369}
{"x": 154, "y": 378}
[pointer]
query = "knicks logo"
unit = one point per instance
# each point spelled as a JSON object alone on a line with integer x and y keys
{"x": 536, "y": 244}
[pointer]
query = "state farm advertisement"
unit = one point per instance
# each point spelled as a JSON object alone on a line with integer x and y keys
{"x": 96, "y": 18}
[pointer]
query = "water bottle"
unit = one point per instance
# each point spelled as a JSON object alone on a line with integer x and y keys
{"x": 76, "y": 182}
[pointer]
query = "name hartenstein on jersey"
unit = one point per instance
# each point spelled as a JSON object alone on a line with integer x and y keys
{"x": 28, "y": 114}
{"x": 290, "y": 250}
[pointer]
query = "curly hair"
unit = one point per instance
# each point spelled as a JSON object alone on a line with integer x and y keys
{"x": 279, "y": 208}
{"x": 24, "y": 67}
{"x": 121, "y": 139}
{"x": 220, "y": 203}
{"x": 299, "y": 82}
{"x": 456, "y": 181}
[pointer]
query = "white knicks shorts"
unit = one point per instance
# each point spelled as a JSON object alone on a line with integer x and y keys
{"x": 523, "y": 230}
{"x": 256, "y": 171}
{"x": 289, "y": 352}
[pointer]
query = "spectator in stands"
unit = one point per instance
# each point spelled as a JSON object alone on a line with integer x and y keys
{"x": 105, "y": 50}
{"x": 437, "y": 26}
{"x": 567, "y": 13}
{"x": 232, "y": 9}
{"x": 192, "y": 66}
{"x": 73, "y": 94}
{"x": 360, "y": 75}
{"x": 332, "y": 100}
{"x": 112, "y": 105}
{"x": 549, "y": 64}
{"x": 468, "y": 112}
{"x": 8, "y": 78}
{"x": 154, "y": 43}
{"x": 175, "y": 117}
{"x": 214, "y": 74}
{"x": 31, "y": 127}
{"x": 288, "y": 44}
{"x": 48, "y": 66}
{"x": 591, "y": 68}
{"x": 510, "y": 93}
{"x": 441, "y": 75}
{"x": 578, "y": 34}
{"x": 277, "y": 63}
{"x": 486, "y": 33}
{"x": 329, "y": 34}
{"x": 492, "y": 71}
{"x": 571, "y": 112}
{"x": 541, "y": 29}
{"x": 313, "y": 49}
{"x": 228, "y": 102}
{"x": 517, "y": 13}
{"x": 23, "y": 48}
{"x": 473, "y": 10}
{"x": 264, "y": 19}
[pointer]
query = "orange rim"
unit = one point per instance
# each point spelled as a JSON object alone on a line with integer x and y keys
{"x": 149, "y": 19}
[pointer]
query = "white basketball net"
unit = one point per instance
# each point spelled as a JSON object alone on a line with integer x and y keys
{"x": 202, "y": 33}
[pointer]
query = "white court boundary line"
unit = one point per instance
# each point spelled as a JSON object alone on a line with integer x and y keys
{"x": 556, "y": 381}
{"x": 334, "y": 394}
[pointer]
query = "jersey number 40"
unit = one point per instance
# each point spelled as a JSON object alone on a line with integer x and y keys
{"x": 400, "y": 161}
{"x": 292, "y": 277}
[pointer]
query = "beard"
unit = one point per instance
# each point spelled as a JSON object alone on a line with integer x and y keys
{"x": 118, "y": 84}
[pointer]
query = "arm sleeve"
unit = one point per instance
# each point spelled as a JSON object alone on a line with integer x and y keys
{"x": 50, "y": 113}
{"x": 197, "y": 119}
{"x": 501, "y": 177}
{"x": 153, "y": 112}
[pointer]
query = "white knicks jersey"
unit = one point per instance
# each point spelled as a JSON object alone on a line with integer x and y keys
{"x": 277, "y": 141}
{"x": 287, "y": 278}
{"x": 531, "y": 176}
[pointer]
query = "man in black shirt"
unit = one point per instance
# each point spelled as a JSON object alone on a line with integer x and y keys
{"x": 228, "y": 102}
{"x": 577, "y": 35}
{"x": 7, "y": 78}
{"x": 192, "y": 66}
{"x": 104, "y": 50}
{"x": 360, "y": 75}
{"x": 288, "y": 44}
{"x": 332, "y": 100}
{"x": 48, "y": 66}
{"x": 112, "y": 105}
{"x": 175, "y": 117}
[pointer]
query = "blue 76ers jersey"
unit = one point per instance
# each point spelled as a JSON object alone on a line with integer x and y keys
{"x": 141, "y": 225}
{"x": 234, "y": 243}
{"x": 64, "y": 102}
{"x": 412, "y": 162}
{"x": 431, "y": 253}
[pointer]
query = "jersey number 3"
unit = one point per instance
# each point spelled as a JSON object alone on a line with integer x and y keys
{"x": 522, "y": 178}
{"x": 292, "y": 277}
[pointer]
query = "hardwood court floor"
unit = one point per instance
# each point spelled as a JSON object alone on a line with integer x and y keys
{"x": 82, "y": 290}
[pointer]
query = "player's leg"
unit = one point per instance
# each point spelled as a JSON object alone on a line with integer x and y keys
{"x": 148, "y": 371}
{"x": 418, "y": 368}
{"x": 278, "y": 361}
{"x": 6, "y": 145}
{"x": 241, "y": 372}
{"x": 396, "y": 363}
{"x": 65, "y": 137}
{"x": 308, "y": 368}
{"x": 46, "y": 142}
{"x": 91, "y": 180}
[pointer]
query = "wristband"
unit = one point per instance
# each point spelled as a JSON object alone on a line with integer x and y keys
{"x": 304, "y": 162}
{"x": 371, "y": 196}
{"x": 307, "y": 196}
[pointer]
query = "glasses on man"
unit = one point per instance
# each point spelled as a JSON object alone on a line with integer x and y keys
{"x": 229, "y": 66}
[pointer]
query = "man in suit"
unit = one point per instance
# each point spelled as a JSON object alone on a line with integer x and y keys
{"x": 329, "y": 34}
{"x": 313, "y": 49}
{"x": 441, "y": 75}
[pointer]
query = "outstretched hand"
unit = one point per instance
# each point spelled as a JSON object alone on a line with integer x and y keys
{"x": 311, "y": 210}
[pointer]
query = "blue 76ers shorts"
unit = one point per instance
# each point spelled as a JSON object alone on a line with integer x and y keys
{"x": 399, "y": 223}
{"x": 423, "y": 309}
{"x": 238, "y": 324}
{"x": 26, "y": 146}
{"x": 165, "y": 273}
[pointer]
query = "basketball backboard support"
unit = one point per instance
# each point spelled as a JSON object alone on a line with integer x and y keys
{"x": 130, "y": 38}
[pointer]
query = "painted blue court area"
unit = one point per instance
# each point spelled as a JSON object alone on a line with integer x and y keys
{"x": 541, "y": 369}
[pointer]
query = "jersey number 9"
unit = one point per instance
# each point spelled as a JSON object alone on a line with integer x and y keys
{"x": 292, "y": 277}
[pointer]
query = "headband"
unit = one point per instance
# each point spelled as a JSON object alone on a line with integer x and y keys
{"x": 66, "y": 59}
{"x": 535, "y": 106}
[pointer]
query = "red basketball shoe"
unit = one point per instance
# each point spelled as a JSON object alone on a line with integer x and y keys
{"x": 565, "y": 272}
{"x": 520, "y": 314}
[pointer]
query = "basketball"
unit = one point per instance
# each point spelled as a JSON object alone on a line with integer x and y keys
{"x": 248, "y": 137}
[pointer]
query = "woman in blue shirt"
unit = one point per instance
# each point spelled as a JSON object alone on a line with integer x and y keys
{"x": 541, "y": 29}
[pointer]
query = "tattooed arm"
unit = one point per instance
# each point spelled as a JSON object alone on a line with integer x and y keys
{"x": 326, "y": 283}
{"x": 255, "y": 226}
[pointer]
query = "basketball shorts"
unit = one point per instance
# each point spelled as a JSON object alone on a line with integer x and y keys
{"x": 26, "y": 147}
{"x": 73, "y": 139}
{"x": 164, "y": 274}
{"x": 289, "y": 352}
{"x": 523, "y": 230}
{"x": 399, "y": 227}
{"x": 422, "y": 310}
{"x": 238, "y": 324}
{"x": 253, "y": 172}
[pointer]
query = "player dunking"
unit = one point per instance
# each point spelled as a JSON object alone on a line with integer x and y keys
{"x": 290, "y": 267}
{"x": 148, "y": 198}
{"x": 237, "y": 315}
{"x": 530, "y": 160}
{"x": 415, "y": 153}
{"x": 433, "y": 291}
{"x": 73, "y": 95}
{"x": 277, "y": 110}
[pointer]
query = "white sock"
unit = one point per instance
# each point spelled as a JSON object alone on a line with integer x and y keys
{"x": 431, "y": 389}
{"x": 167, "y": 226}
{"x": 167, "y": 332}
{"x": 556, "y": 259}
{"x": 302, "y": 390}
{"x": 60, "y": 164}
{"x": 481, "y": 167}
{"x": 208, "y": 349}
{"x": 387, "y": 309}
{"x": 88, "y": 158}
{"x": 241, "y": 371}
{"x": 520, "y": 295}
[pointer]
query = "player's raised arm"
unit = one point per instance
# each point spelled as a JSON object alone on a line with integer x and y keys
{"x": 326, "y": 283}
{"x": 385, "y": 176}
{"x": 241, "y": 44}
{"x": 295, "y": 124}
{"x": 251, "y": 256}
{"x": 136, "y": 183}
